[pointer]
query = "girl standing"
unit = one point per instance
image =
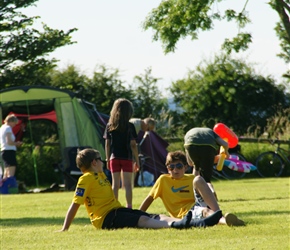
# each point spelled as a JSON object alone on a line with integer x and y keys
{"x": 8, "y": 146}
{"x": 121, "y": 147}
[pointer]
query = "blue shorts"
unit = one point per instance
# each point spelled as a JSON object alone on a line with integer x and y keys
{"x": 123, "y": 217}
{"x": 9, "y": 158}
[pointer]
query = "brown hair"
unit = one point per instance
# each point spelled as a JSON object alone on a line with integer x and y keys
{"x": 11, "y": 118}
{"x": 85, "y": 157}
{"x": 120, "y": 114}
{"x": 176, "y": 156}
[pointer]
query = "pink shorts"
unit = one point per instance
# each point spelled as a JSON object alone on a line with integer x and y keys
{"x": 116, "y": 165}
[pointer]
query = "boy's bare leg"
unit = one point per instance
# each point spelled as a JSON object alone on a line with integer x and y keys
{"x": 203, "y": 189}
{"x": 212, "y": 190}
{"x": 165, "y": 222}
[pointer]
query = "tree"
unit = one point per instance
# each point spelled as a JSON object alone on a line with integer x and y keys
{"x": 102, "y": 89}
{"x": 148, "y": 101}
{"x": 176, "y": 19}
{"x": 105, "y": 87}
{"x": 69, "y": 78}
{"x": 23, "y": 49}
{"x": 229, "y": 91}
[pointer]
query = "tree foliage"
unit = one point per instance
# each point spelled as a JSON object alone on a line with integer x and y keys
{"x": 23, "y": 49}
{"x": 148, "y": 100}
{"x": 227, "y": 90}
{"x": 102, "y": 89}
{"x": 173, "y": 20}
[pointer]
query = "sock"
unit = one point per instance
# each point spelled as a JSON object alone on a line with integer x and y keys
{"x": 129, "y": 206}
{"x": 208, "y": 221}
{"x": 184, "y": 223}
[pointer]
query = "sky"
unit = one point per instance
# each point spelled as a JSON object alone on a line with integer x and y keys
{"x": 110, "y": 33}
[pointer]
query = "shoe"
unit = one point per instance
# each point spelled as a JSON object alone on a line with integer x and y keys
{"x": 184, "y": 223}
{"x": 208, "y": 221}
{"x": 233, "y": 220}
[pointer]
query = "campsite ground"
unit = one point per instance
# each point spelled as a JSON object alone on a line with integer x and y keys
{"x": 29, "y": 221}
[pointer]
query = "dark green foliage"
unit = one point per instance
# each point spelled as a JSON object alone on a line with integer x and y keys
{"x": 102, "y": 89}
{"x": 228, "y": 91}
{"x": 23, "y": 49}
{"x": 173, "y": 20}
{"x": 39, "y": 159}
{"x": 40, "y": 152}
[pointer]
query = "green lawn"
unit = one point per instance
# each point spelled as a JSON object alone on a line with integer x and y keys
{"x": 29, "y": 221}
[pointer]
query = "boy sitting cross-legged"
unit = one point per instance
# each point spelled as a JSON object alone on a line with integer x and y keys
{"x": 181, "y": 193}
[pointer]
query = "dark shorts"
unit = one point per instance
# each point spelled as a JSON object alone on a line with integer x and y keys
{"x": 9, "y": 158}
{"x": 123, "y": 217}
{"x": 203, "y": 159}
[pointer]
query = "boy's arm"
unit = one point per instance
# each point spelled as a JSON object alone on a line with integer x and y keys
{"x": 71, "y": 212}
{"x": 146, "y": 203}
{"x": 225, "y": 145}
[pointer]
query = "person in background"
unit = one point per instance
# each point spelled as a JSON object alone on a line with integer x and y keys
{"x": 121, "y": 147}
{"x": 178, "y": 191}
{"x": 201, "y": 146}
{"x": 105, "y": 211}
{"x": 9, "y": 146}
{"x": 147, "y": 124}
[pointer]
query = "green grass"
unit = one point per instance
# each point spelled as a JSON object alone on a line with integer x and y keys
{"x": 29, "y": 221}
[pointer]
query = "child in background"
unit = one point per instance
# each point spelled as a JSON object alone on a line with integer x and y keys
{"x": 147, "y": 124}
{"x": 121, "y": 147}
{"x": 201, "y": 146}
{"x": 9, "y": 146}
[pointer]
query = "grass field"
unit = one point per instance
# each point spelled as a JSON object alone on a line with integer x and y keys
{"x": 30, "y": 221}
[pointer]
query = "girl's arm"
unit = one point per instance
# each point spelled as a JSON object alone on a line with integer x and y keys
{"x": 108, "y": 152}
{"x": 135, "y": 152}
{"x": 71, "y": 213}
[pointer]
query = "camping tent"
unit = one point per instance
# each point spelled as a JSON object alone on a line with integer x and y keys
{"x": 77, "y": 123}
{"x": 153, "y": 152}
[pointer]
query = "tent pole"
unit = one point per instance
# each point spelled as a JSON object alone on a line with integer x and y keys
{"x": 32, "y": 146}
{"x": 153, "y": 158}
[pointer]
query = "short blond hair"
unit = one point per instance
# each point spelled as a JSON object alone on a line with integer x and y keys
{"x": 150, "y": 122}
{"x": 11, "y": 118}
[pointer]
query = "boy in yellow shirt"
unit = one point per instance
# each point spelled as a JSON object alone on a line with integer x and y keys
{"x": 178, "y": 190}
{"x": 95, "y": 191}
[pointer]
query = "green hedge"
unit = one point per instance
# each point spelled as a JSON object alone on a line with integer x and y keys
{"x": 38, "y": 161}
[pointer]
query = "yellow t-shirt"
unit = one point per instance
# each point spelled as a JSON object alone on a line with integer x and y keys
{"x": 95, "y": 191}
{"x": 177, "y": 195}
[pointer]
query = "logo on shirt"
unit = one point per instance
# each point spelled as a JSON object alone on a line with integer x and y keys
{"x": 80, "y": 192}
{"x": 180, "y": 189}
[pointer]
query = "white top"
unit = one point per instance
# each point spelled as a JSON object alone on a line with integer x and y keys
{"x": 4, "y": 130}
{"x": 137, "y": 124}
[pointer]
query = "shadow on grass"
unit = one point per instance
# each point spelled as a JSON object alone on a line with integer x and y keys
{"x": 33, "y": 221}
{"x": 255, "y": 217}
{"x": 257, "y": 199}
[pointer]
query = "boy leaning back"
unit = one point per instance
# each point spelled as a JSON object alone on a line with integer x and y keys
{"x": 178, "y": 190}
{"x": 95, "y": 191}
